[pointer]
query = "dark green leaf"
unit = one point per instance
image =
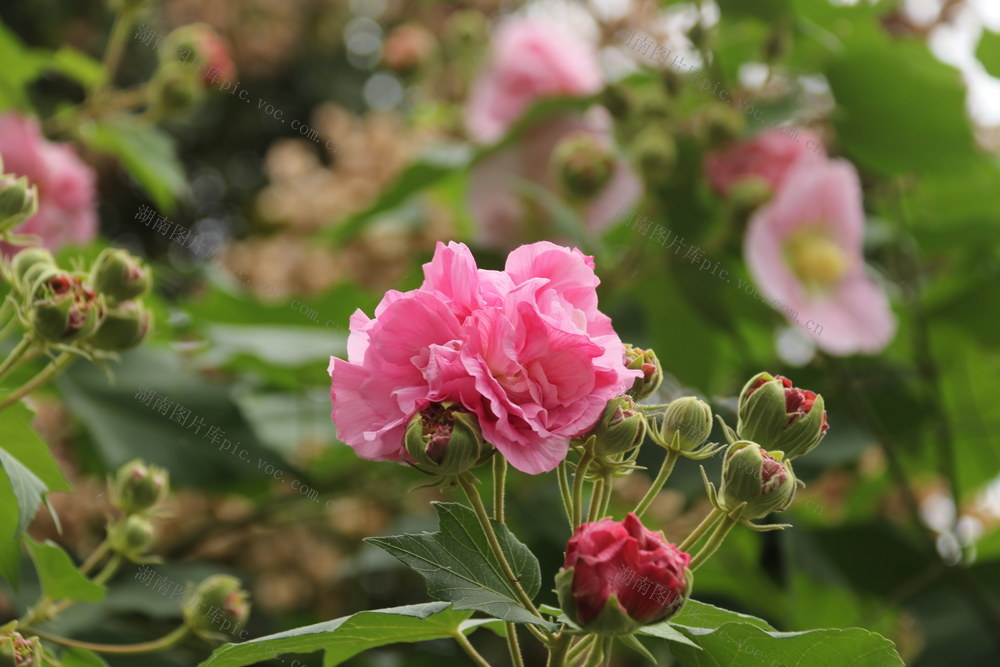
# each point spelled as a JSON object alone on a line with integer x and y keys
{"x": 78, "y": 657}
{"x": 347, "y": 636}
{"x": 147, "y": 153}
{"x": 988, "y": 52}
{"x": 458, "y": 565}
{"x": 59, "y": 576}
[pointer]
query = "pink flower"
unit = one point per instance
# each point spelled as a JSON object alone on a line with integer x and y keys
{"x": 525, "y": 349}
{"x": 770, "y": 156}
{"x": 530, "y": 60}
{"x": 66, "y": 190}
{"x": 505, "y": 216}
{"x": 644, "y": 572}
{"x": 804, "y": 251}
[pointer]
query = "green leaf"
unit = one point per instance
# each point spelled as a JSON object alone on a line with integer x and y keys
{"x": 21, "y": 440}
{"x": 279, "y": 345}
{"x": 20, "y": 67}
{"x": 345, "y": 637}
{"x": 666, "y": 631}
{"x": 988, "y": 52}
{"x": 59, "y": 576}
{"x": 696, "y": 614}
{"x": 28, "y": 489}
{"x": 766, "y": 10}
{"x": 148, "y": 154}
{"x": 10, "y": 546}
{"x": 76, "y": 65}
{"x": 78, "y": 657}
{"x": 875, "y": 119}
{"x": 458, "y": 565}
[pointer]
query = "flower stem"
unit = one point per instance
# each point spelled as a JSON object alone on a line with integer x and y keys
{"x": 43, "y": 376}
{"x": 578, "y": 477}
{"x": 499, "y": 482}
{"x": 109, "y": 570}
{"x": 112, "y": 53}
{"x": 596, "y": 652}
{"x": 595, "y": 500}
{"x": 606, "y": 497}
{"x": 668, "y": 467}
{"x": 491, "y": 537}
{"x": 577, "y": 651}
{"x": 701, "y": 529}
{"x": 463, "y": 641}
{"x": 95, "y": 558}
{"x": 513, "y": 646}
{"x": 11, "y": 362}
{"x": 564, "y": 492}
{"x": 557, "y": 652}
{"x": 714, "y": 542}
{"x": 166, "y": 641}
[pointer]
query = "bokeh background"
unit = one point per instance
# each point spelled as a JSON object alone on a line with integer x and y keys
{"x": 898, "y": 530}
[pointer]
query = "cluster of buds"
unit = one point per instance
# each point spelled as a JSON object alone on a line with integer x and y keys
{"x": 18, "y": 202}
{"x": 217, "y": 608}
{"x": 136, "y": 489}
{"x": 192, "y": 58}
{"x": 17, "y": 651}
{"x": 445, "y": 440}
{"x": 99, "y": 310}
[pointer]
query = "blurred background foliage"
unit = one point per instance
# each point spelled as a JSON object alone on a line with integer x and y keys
{"x": 899, "y": 528}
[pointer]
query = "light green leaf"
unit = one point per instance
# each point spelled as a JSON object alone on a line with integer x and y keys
{"x": 696, "y": 614}
{"x": 78, "y": 657}
{"x": 10, "y": 546}
{"x": 458, "y": 565}
{"x": 20, "y": 66}
{"x": 279, "y": 345}
{"x": 20, "y": 439}
{"x": 76, "y": 65}
{"x": 148, "y": 154}
{"x": 60, "y": 578}
{"x": 345, "y": 637}
{"x": 28, "y": 489}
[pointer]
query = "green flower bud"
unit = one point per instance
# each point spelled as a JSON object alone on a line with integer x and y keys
{"x": 758, "y": 478}
{"x": 132, "y": 537}
{"x": 138, "y": 487}
{"x": 35, "y": 258}
{"x": 637, "y": 359}
{"x": 18, "y": 202}
{"x": 621, "y": 427}
{"x": 782, "y": 417}
{"x": 651, "y": 105}
{"x": 686, "y": 425}
{"x": 655, "y": 154}
{"x": 749, "y": 193}
{"x": 124, "y": 326}
{"x": 722, "y": 124}
{"x": 619, "y": 100}
{"x": 119, "y": 276}
{"x": 175, "y": 89}
{"x": 64, "y": 309}
{"x": 444, "y": 439}
{"x": 218, "y": 607}
{"x": 583, "y": 164}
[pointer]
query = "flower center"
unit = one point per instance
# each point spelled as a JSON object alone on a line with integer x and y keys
{"x": 816, "y": 259}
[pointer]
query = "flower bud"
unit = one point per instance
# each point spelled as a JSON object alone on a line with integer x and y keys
{"x": 753, "y": 476}
{"x": 782, "y": 417}
{"x": 722, "y": 124}
{"x": 174, "y": 91}
{"x": 197, "y": 48}
{"x": 444, "y": 439}
{"x": 686, "y": 425}
{"x": 217, "y": 607}
{"x": 119, "y": 276}
{"x": 138, "y": 487}
{"x": 583, "y": 164}
{"x": 655, "y": 153}
{"x": 64, "y": 309}
{"x": 37, "y": 257}
{"x": 619, "y": 576}
{"x": 132, "y": 537}
{"x": 124, "y": 326}
{"x": 18, "y": 202}
{"x": 637, "y": 359}
{"x": 749, "y": 193}
{"x": 621, "y": 427}
{"x": 15, "y": 650}
{"x": 618, "y": 100}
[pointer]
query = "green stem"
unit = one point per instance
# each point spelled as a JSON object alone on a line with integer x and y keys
{"x": 701, "y": 529}
{"x": 595, "y": 500}
{"x": 564, "y": 492}
{"x": 93, "y": 559}
{"x": 608, "y": 492}
{"x": 668, "y": 467}
{"x": 578, "y": 478}
{"x": 166, "y": 641}
{"x": 577, "y": 651}
{"x": 714, "y": 542}
{"x": 557, "y": 652}
{"x": 43, "y": 376}
{"x": 596, "y": 653}
{"x": 513, "y": 646}
{"x": 499, "y": 482}
{"x": 109, "y": 570}
{"x": 11, "y": 362}
{"x": 484, "y": 521}
{"x": 112, "y": 53}
{"x": 463, "y": 641}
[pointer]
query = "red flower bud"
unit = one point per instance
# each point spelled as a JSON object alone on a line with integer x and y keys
{"x": 619, "y": 576}
{"x": 780, "y": 416}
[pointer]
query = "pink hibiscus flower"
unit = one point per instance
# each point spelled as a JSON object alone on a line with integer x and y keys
{"x": 804, "y": 250}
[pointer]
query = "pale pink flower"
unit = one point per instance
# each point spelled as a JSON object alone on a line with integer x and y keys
{"x": 770, "y": 155}
{"x": 525, "y": 349}
{"x": 530, "y": 60}
{"x": 506, "y": 216}
{"x": 804, "y": 250}
{"x": 66, "y": 190}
